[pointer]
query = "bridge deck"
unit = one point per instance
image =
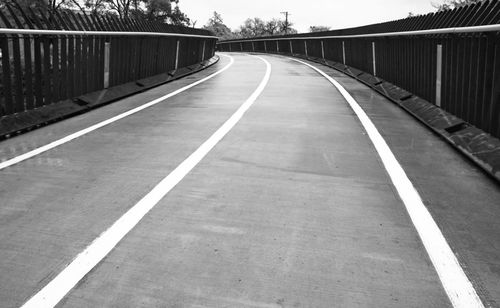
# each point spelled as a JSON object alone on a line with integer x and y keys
{"x": 292, "y": 208}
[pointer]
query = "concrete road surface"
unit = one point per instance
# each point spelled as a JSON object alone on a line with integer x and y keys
{"x": 293, "y": 207}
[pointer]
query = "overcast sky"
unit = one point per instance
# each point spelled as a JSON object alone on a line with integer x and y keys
{"x": 334, "y": 13}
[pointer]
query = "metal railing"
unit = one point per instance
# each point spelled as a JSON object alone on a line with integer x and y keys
{"x": 457, "y": 30}
{"x": 48, "y": 57}
{"x": 456, "y": 68}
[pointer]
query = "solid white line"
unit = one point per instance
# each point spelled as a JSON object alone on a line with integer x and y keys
{"x": 87, "y": 130}
{"x": 56, "y": 289}
{"x": 456, "y": 284}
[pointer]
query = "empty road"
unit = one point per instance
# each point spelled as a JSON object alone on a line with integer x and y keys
{"x": 253, "y": 183}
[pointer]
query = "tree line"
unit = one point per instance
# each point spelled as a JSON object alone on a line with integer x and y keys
{"x": 254, "y": 27}
{"x": 166, "y": 11}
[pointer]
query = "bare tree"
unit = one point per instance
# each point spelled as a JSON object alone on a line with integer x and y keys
{"x": 122, "y": 7}
{"x": 216, "y": 25}
{"x": 94, "y": 6}
{"x": 56, "y": 4}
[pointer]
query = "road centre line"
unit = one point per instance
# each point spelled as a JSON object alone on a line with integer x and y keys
{"x": 57, "y": 288}
{"x": 94, "y": 127}
{"x": 458, "y": 287}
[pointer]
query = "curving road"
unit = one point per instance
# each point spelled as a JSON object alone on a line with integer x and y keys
{"x": 258, "y": 186}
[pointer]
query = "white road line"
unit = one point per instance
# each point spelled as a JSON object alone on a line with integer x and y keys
{"x": 456, "y": 284}
{"x": 92, "y": 128}
{"x": 56, "y": 289}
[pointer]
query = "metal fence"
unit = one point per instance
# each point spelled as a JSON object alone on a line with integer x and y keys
{"x": 47, "y": 57}
{"x": 451, "y": 58}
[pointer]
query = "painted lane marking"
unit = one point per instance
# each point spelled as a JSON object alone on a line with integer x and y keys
{"x": 56, "y": 289}
{"x": 94, "y": 127}
{"x": 456, "y": 284}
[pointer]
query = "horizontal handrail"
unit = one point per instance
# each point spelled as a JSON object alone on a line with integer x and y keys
{"x": 475, "y": 29}
{"x": 95, "y": 33}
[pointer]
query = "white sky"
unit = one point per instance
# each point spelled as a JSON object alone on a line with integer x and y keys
{"x": 337, "y": 14}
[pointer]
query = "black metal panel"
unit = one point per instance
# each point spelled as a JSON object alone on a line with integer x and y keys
{"x": 38, "y": 70}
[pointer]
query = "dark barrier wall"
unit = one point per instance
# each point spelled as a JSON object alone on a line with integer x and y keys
{"x": 460, "y": 72}
{"x": 40, "y": 69}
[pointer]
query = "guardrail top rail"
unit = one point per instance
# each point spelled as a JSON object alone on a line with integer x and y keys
{"x": 97, "y": 33}
{"x": 475, "y": 29}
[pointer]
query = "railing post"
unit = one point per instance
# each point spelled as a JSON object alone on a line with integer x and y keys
{"x": 241, "y": 46}
{"x": 322, "y": 50}
{"x": 230, "y": 49}
{"x": 439, "y": 72}
{"x": 374, "y": 61}
{"x": 253, "y": 47}
{"x": 277, "y": 47}
{"x": 177, "y": 54}
{"x": 343, "y": 52}
{"x": 107, "y": 49}
{"x": 203, "y": 52}
{"x": 265, "y": 46}
{"x": 305, "y": 47}
{"x": 291, "y": 47}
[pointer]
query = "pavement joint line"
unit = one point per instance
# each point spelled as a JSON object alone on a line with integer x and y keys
{"x": 84, "y": 262}
{"x": 94, "y": 127}
{"x": 455, "y": 282}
